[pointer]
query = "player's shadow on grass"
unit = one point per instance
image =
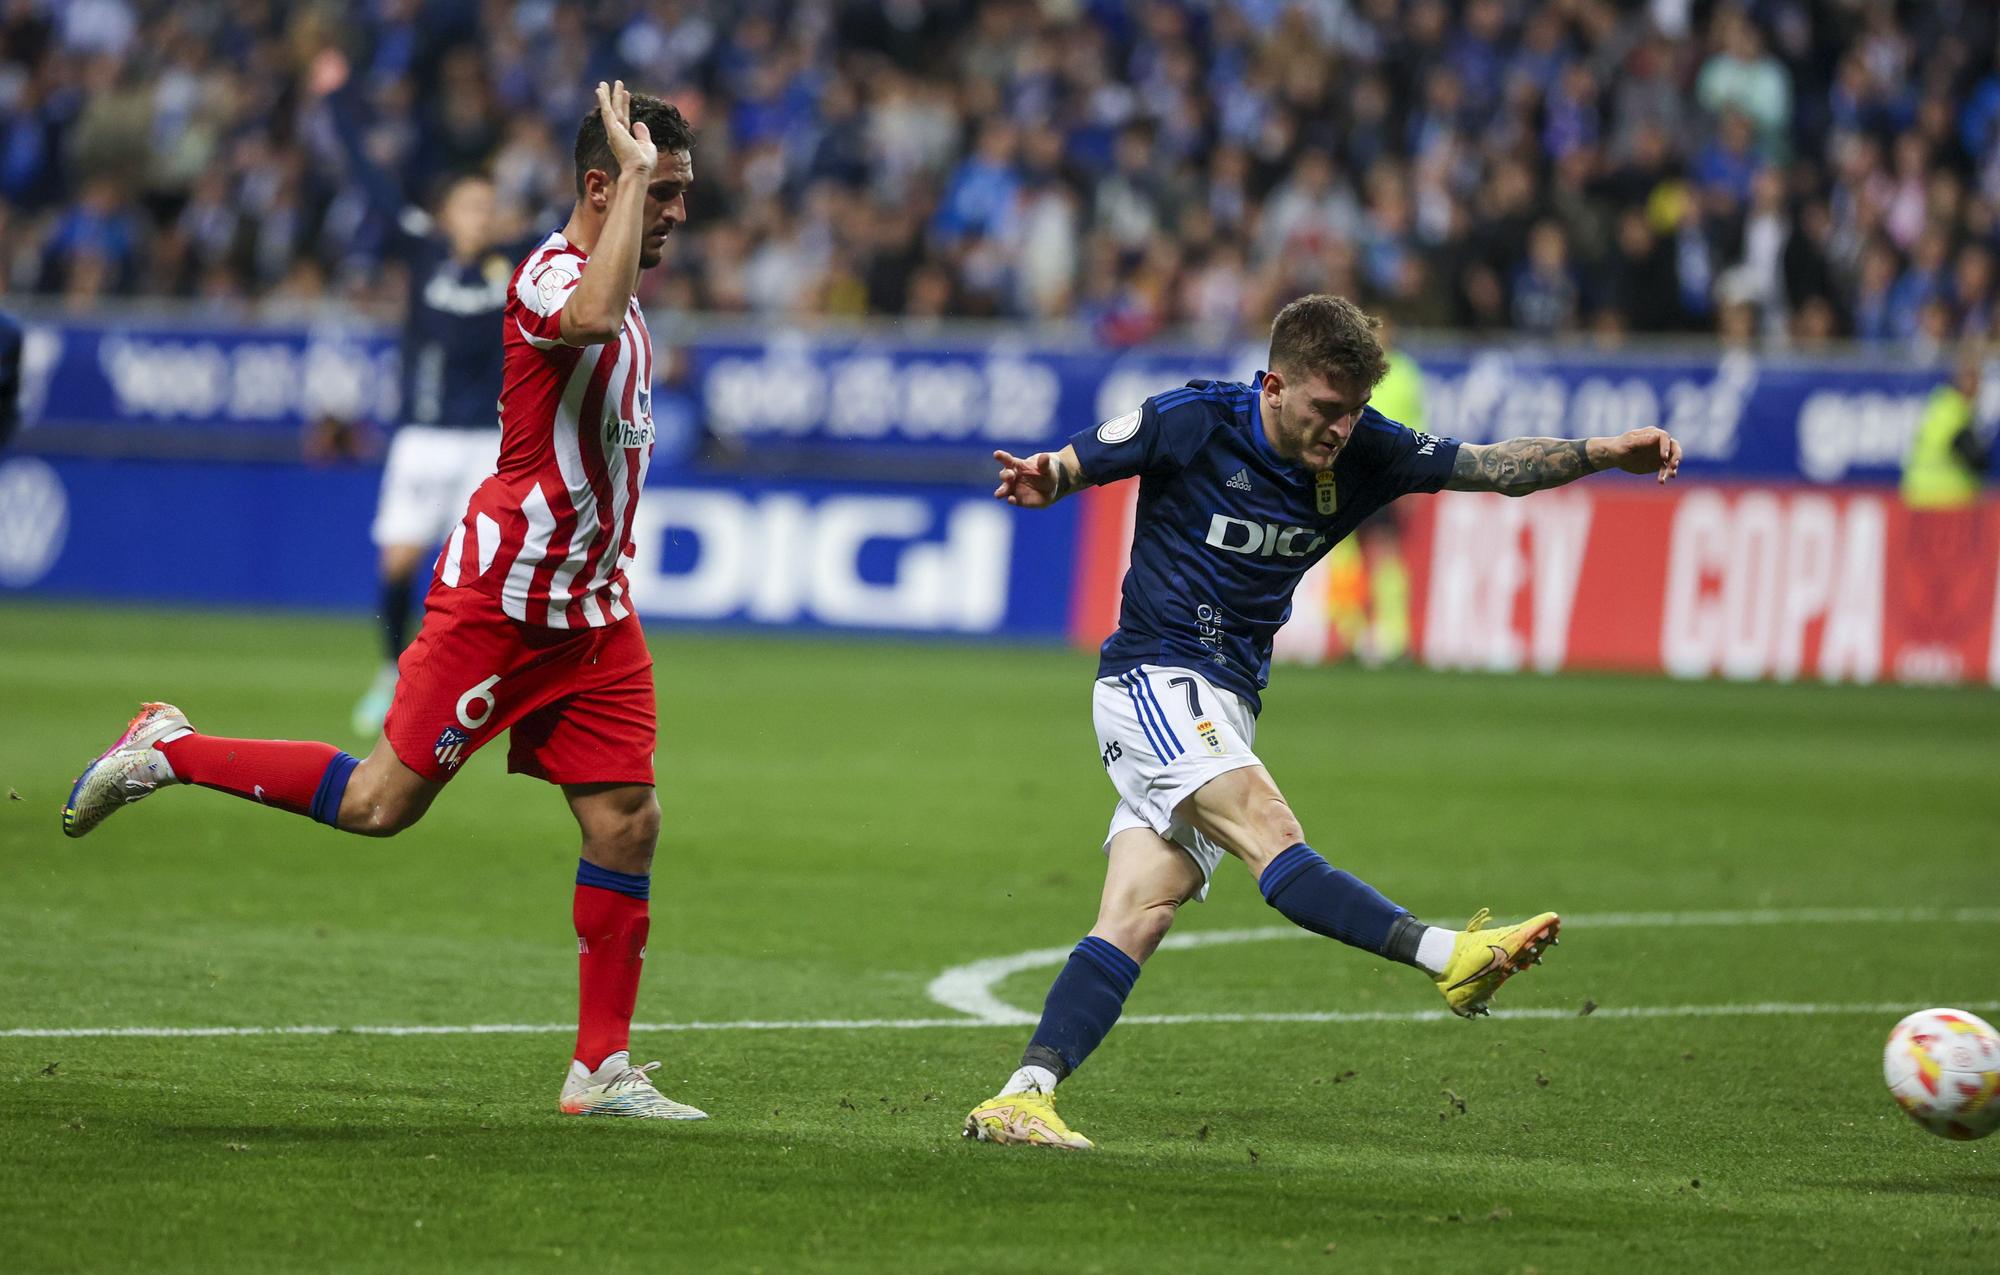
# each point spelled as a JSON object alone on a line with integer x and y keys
{"x": 522, "y": 1138}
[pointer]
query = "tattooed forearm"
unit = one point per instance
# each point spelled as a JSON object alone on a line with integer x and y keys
{"x": 1520, "y": 465}
{"x": 1065, "y": 476}
{"x": 1066, "y": 471}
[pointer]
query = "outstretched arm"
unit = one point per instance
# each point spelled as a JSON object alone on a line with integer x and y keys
{"x": 332, "y": 85}
{"x": 1521, "y": 465}
{"x": 1038, "y": 481}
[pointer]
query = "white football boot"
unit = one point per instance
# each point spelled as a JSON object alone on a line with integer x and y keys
{"x": 617, "y": 1088}
{"x": 128, "y": 770}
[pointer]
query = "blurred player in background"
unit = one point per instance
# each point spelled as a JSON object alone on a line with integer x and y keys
{"x": 526, "y": 625}
{"x": 10, "y": 377}
{"x": 1243, "y": 488}
{"x": 457, "y": 265}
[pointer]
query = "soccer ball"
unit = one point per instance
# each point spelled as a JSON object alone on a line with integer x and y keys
{"x": 1943, "y": 1068}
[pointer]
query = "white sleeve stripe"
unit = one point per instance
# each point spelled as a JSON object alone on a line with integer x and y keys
{"x": 486, "y": 540}
{"x": 539, "y": 342}
{"x": 453, "y": 551}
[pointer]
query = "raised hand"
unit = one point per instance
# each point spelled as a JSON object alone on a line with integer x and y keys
{"x": 631, "y": 144}
{"x": 1646, "y": 451}
{"x": 1031, "y": 483}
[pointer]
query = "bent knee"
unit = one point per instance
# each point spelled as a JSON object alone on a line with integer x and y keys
{"x": 1137, "y": 929}
{"x": 643, "y": 827}
{"x": 1279, "y": 825}
{"x": 383, "y": 796}
{"x": 1267, "y": 817}
{"x": 381, "y": 816}
{"x": 624, "y": 841}
{"x": 638, "y": 827}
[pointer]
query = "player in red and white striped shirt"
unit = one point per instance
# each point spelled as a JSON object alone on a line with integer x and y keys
{"x": 560, "y": 508}
{"x": 526, "y": 627}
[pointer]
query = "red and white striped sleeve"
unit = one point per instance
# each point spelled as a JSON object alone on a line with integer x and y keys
{"x": 542, "y": 289}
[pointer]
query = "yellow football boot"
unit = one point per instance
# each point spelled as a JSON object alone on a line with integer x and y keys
{"x": 1483, "y": 959}
{"x": 1023, "y": 1120}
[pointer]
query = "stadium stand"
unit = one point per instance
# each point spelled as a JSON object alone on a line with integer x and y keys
{"x": 1776, "y": 170}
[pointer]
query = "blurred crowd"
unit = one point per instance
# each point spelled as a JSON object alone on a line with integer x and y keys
{"x": 1771, "y": 170}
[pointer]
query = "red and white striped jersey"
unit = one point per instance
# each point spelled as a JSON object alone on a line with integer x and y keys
{"x": 549, "y": 533}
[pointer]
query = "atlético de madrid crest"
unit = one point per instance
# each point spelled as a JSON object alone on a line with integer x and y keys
{"x": 451, "y": 747}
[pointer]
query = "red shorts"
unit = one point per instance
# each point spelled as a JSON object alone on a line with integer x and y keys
{"x": 580, "y": 701}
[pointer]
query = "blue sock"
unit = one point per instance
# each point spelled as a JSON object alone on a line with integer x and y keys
{"x": 1084, "y": 1001}
{"x": 1314, "y": 895}
{"x": 332, "y": 787}
{"x": 637, "y": 884}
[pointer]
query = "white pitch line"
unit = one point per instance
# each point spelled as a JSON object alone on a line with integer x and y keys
{"x": 1760, "y": 1010}
{"x": 969, "y": 988}
{"x": 482, "y": 1029}
{"x": 1763, "y": 1009}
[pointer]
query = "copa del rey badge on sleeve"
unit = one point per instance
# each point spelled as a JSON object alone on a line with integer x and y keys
{"x": 1323, "y": 489}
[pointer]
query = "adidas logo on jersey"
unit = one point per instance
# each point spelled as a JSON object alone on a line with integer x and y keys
{"x": 1240, "y": 480}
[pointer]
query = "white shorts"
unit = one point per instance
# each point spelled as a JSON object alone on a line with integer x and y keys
{"x": 1163, "y": 732}
{"x": 430, "y": 476}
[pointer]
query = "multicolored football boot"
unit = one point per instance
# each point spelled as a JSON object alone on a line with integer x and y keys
{"x": 126, "y": 772}
{"x": 1482, "y": 959}
{"x": 617, "y": 1088}
{"x": 1023, "y": 1120}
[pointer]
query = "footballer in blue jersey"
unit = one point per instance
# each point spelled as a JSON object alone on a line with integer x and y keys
{"x": 1242, "y": 488}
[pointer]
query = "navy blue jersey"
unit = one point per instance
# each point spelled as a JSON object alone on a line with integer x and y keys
{"x": 10, "y": 377}
{"x": 451, "y": 331}
{"x": 1226, "y": 526}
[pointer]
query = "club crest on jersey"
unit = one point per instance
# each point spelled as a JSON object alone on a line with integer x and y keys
{"x": 450, "y": 748}
{"x": 1119, "y": 428}
{"x": 552, "y": 282}
{"x": 1325, "y": 493}
{"x": 619, "y": 432}
{"x": 1209, "y": 735}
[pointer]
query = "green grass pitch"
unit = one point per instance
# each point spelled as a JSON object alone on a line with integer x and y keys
{"x": 847, "y": 820}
